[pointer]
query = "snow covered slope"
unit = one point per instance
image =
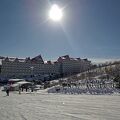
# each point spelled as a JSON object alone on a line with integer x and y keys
{"x": 44, "y": 106}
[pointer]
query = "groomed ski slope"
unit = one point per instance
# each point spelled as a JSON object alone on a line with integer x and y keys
{"x": 45, "y": 106}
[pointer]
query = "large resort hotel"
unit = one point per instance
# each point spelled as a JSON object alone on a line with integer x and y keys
{"x": 64, "y": 65}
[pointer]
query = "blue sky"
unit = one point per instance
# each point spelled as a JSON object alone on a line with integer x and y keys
{"x": 89, "y": 29}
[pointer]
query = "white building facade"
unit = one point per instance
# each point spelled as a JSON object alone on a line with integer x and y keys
{"x": 73, "y": 65}
{"x": 14, "y": 67}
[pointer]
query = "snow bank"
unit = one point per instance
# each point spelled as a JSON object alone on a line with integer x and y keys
{"x": 80, "y": 90}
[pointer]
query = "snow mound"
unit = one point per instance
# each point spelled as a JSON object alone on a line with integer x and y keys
{"x": 79, "y": 90}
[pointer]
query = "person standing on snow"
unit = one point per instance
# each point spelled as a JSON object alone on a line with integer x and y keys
{"x": 7, "y": 90}
{"x": 19, "y": 89}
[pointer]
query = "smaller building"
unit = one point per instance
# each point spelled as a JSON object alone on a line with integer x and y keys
{"x": 71, "y": 66}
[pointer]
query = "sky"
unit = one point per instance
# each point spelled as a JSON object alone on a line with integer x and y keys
{"x": 88, "y": 29}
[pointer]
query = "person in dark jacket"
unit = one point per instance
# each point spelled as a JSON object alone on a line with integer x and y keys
{"x": 7, "y": 90}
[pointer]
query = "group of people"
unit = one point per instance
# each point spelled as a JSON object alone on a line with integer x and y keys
{"x": 20, "y": 88}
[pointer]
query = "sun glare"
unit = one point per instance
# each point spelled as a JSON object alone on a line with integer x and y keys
{"x": 55, "y": 13}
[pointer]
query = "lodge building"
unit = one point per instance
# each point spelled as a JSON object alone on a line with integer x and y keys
{"x": 36, "y": 66}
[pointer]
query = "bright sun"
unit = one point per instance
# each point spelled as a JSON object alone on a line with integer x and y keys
{"x": 55, "y": 13}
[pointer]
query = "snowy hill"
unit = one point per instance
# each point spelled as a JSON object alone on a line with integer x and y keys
{"x": 83, "y": 90}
